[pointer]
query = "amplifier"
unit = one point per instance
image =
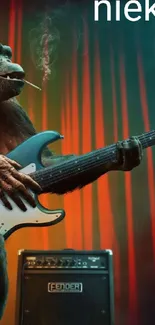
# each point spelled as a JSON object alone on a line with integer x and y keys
{"x": 64, "y": 288}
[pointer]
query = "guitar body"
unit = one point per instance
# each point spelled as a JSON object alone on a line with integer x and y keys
{"x": 28, "y": 154}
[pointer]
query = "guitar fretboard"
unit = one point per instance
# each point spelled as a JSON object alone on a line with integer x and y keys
{"x": 79, "y": 165}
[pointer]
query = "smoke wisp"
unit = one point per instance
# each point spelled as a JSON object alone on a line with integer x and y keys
{"x": 54, "y": 36}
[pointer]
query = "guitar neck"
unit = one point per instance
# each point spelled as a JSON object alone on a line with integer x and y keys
{"x": 79, "y": 166}
{"x": 147, "y": 139}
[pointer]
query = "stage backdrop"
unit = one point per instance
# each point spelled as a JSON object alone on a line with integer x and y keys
{"x": 98, "y": 86}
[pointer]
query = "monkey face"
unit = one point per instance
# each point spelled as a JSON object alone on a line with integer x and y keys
{"x": 11, "y": 75}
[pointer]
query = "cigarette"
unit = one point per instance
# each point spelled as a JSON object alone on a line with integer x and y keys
{"x": 29, "y": 83}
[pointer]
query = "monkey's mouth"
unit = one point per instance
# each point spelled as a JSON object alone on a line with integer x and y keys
{"x": 16, "y": 76}
{"x": 11, "y": 84}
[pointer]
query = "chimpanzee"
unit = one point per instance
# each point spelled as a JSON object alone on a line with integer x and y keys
{"x": 15, "y": 127}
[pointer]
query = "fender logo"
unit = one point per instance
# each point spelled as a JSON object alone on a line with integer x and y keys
{"x": 65, "y": 287}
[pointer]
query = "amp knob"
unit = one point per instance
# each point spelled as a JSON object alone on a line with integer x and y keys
{"x": 52, "y": 262}
{"x": 65, "y": 263}
{"x": 72, "y": 263}
{"x": 59, "y": 262}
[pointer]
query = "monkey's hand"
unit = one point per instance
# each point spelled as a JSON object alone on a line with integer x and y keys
{"x": 15, "y": 184}
{"x": 130, "y": 154}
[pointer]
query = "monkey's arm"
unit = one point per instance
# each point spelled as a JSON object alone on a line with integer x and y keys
{"x": 77, "y": 181}
{"x": 129, "y": 156}
{"x": 3, "y": 277}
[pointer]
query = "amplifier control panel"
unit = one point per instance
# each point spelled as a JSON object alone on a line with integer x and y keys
{"x": 66, "y": 261}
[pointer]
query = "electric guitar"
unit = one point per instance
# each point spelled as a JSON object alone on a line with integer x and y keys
{"x": 28, "y": 155}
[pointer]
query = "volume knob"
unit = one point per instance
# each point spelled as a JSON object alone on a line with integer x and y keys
{"x": 65, "y": 263}
{"x": 59, "y": 262}
{"x": 72, "y": 263}
{"x": 52, "y": 262}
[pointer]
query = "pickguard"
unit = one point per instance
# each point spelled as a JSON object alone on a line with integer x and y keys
{"x": 15, "y": 219}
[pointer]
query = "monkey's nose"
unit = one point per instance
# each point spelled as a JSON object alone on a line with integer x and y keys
{"x": 14, "y": 67}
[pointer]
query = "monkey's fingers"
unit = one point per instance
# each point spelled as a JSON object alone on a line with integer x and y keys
{"x": 10, "y": 187}
{"x": 18, "y": 201}
{"x": 16, "y": 189}
{"x": 5, "y": 201}
{"x": 13, "y": 163}
{"x": 136, "y": 147}
{"x": 28, "y": 197}
{"x": 27, "y": 181}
